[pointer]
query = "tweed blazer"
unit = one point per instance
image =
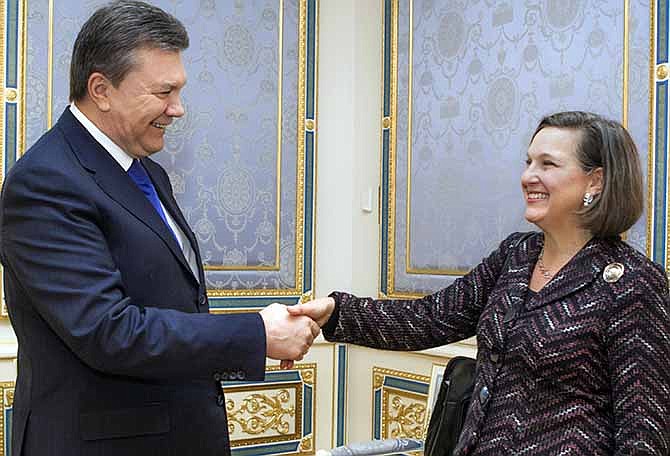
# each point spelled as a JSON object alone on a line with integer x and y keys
{"x": 582, "y": 368}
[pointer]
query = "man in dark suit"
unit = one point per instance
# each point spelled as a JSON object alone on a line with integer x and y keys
{"x": 118, "y": 354}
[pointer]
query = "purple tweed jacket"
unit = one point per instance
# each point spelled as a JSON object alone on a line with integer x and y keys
{"x": 582, "y": 369}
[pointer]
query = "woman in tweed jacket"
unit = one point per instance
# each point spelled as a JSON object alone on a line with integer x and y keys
{"x": 572, "y": 324}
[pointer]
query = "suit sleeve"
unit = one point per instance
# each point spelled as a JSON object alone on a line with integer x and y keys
{"x": 638, "y": 352}
{"x": 446, "y": 316}
{"x": 54, "y": 249}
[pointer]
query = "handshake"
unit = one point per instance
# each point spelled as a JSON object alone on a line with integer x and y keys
{"x": 291, "y": 330}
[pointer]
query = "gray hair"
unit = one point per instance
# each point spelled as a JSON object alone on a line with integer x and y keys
{"x": 108, "y": 40}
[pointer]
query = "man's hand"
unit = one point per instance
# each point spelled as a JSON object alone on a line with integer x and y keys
{"x": 319, "y": 310}
{"x": 287, "y": 337}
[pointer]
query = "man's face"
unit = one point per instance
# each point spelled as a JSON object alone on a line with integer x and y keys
{"x": 145, "y": 102}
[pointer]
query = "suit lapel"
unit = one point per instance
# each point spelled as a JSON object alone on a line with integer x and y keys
{"x": 114, "y": 181}
{"x": 579, "y": 272}
{"x": 165, "y": 195}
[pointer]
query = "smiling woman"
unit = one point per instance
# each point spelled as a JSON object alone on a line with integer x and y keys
{"x": 571, "y": 322}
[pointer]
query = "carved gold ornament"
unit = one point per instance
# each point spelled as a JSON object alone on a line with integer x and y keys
{"x": 662, "y": 72}
{"x": 260, "y": 413}
{"x": 406, "y": 420}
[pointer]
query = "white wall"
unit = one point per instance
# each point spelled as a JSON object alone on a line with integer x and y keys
{"x": 348, "y": 146}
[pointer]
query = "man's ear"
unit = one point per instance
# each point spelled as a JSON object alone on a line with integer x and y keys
{"x": 595, "y": 186}
{"x": 99, "y": 90}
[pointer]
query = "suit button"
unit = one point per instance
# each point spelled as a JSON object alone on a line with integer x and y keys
{"x": 219, "y": 400}
{"x": 483, "y": 395}
{"x": 495, "y": 357}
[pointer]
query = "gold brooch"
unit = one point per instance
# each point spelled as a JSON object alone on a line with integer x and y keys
{"x": 613, "y": 272}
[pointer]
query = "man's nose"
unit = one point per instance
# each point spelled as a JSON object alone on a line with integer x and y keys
{"x": 175, "y": 109}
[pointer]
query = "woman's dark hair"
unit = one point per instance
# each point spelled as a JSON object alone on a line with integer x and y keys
{"x": 107, "y": 42}
{"x": 605, "y": 144}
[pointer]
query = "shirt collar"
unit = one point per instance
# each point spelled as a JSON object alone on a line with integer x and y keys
{"x": 123, "y": 159}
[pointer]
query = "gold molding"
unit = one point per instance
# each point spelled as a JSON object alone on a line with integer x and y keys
{"x": 300, "y": 161}
{"x": 378, "y": 375}
{"x": 305, "y": 370}
{"x": 662, "y": 72}
{"x": 410, "y": 418}
{"x": 651, "y": 146}
{"x": 6, "y": 401}
{"x": 382, "y": 371}
{"x": 393, "y": 107}
{"x": 259, "y": 413}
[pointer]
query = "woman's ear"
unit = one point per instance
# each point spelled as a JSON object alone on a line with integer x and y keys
{"x": 595, "y": 186}
{"x": 98, "y": 90}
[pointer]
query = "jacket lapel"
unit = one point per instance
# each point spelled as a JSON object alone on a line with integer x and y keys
{"x": 165, "y": 195}
{"x": 114, "y": 181}
{"x": 579, "y": 272}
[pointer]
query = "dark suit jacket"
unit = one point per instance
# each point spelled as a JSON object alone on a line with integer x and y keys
{"x": 118, "y": 354}
{"x": 582, "y": 369}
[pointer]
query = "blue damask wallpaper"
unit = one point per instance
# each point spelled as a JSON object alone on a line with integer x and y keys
{"x": 473, "y": 80}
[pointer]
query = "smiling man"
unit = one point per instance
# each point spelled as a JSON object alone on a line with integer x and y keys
{"x": 118, "y": 353}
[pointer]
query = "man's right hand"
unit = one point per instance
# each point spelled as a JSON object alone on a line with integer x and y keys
{"x": 287, "y": 337}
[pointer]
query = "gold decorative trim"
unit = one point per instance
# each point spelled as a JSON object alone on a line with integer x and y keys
{"x": 11, "y": 94}
{"x": 266, "y": 412}
{"x": 6, "y": 401}
{"x": 393, "y": 131}
{"x": 306, "y": 370}
{"x": 300, "y": 162}
{"x": 651, "y": 146}
{"x": 306, "y": 444}
{"x": 662, "y": 72}
{"x": 310, "y": 125}
{"x": 386, "y": 123}
{"x": 383, "y": 372}
{"x": 410, "y": 419}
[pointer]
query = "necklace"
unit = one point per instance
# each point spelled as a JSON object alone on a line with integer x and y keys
{"x": 546, "y": 273}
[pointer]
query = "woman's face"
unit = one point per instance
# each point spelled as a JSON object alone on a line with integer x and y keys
{"x": 553, "y": 182}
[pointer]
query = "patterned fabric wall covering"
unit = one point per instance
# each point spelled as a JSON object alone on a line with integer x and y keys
{"x": 464, "y": 87}
{"x": 241, "y": 161}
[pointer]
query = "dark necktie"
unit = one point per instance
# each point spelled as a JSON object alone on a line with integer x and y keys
{"x": 139, "y": 175}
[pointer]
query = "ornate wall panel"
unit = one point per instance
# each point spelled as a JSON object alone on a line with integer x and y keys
{"x": 399, "y": 404}
{"x": 241, "y": 161}
{"x": 464, "y": 85}
{"x": 276, "y": 416}
{"x": 6, "y": 407}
